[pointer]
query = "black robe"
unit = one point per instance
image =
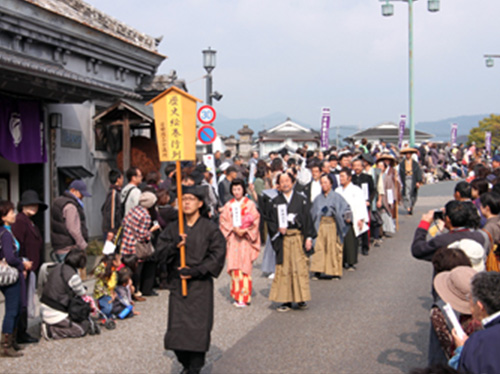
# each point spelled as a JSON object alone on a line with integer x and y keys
{"x": 358, "y": 180}
{"x": 303, "y": 221}
{"x": 190, "y": 318}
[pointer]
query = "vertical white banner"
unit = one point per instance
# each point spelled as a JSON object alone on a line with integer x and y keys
{"x": 282, "y": 216}
{"x": 209, "y": 162}
{"x": 236, "y": 209}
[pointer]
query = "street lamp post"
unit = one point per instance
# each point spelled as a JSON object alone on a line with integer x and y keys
{"x": 209, "y": 65}
{"x": 387, "y": 11}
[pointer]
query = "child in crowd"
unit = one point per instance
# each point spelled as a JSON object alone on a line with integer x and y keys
{"x": 106, "y": 279}
{"x": 123, "y": 306}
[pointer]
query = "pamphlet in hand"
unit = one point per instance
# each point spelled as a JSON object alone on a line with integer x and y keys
{"x": 452, "y": 317}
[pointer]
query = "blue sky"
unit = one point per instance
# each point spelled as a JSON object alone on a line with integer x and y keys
{"x": 295, "y": 57}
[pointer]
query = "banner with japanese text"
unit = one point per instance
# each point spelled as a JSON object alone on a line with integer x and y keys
{"x": 402, "y": 124}
{"x": 454, "y": 130}
{"x": 175, "y": 124}
{"x": 325, "y": 128}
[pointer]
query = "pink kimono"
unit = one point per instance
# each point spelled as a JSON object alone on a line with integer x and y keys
{"x": 241, "y": 251}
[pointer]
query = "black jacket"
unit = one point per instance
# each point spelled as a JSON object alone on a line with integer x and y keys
{"x": 59, "y": 235}
{"x": 112, "y": 211}
{"x": 57, "y": 292}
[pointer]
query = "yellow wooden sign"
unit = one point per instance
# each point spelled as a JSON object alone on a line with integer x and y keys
{"x": 175, "y": 123}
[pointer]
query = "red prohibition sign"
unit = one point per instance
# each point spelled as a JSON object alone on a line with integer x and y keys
{"x": 206, "y": 114}
{"x": 207, "y": 134}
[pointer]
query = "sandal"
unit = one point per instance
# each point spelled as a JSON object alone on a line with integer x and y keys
{"x": 283, "y": 308}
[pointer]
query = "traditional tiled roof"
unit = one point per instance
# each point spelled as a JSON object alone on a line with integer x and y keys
{"x": 81, "y": 12}
{"x": 385, "y": 130}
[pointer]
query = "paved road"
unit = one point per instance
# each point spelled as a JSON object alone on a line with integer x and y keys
{"x": 374, "y": 320}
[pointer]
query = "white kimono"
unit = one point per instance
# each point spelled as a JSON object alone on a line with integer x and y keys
{"x": 356, "y": 200}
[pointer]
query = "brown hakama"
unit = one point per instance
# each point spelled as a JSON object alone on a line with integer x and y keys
{"x": 291, "y": 280}
{"x": 327, "y": 257}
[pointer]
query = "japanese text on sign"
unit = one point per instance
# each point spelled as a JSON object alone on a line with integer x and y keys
{"x": 174, "y": 129}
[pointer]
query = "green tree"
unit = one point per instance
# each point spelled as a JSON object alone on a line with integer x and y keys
{"x": 491, "y": 123}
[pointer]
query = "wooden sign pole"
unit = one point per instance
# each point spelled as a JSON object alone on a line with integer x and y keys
{"x": 178, "y": 178}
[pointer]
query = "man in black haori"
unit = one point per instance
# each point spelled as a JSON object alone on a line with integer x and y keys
{"x": 190, "y": 318}
{"x": 365, "y": 182}
{"x": 292, "y": 232}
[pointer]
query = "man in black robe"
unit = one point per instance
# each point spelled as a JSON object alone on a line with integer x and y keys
{"x": 365, "y": 182}
{"x": 292, "y": 244}
{"x": 190, "y": 318}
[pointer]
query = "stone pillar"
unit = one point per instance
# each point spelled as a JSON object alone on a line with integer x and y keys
{"x": 245, "y": 142}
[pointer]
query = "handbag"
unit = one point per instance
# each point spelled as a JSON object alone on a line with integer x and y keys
{"x": 144, "y": 249}
{"x": 78, "y": 309}
{"x": 8, "y": 274}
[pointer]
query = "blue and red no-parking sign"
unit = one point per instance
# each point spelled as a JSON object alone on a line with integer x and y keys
{"x": 207, "y": 134}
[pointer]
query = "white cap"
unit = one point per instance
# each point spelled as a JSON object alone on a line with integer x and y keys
{"x": 473, "y": 250}
{"x": 224, "y": 166}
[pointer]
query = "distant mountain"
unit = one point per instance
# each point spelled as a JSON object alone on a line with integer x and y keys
{"x": 441, "y": 129}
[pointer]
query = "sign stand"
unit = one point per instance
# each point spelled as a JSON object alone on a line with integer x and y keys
{"x": 181, "y": 221}
{"x": 175, "y": 124}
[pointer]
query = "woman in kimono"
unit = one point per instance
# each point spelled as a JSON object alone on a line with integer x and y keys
{"x": 190, "y": 318}
{"x": 329, "y": 212}
{"x": 239, "y": 223}
{"x": 291, "y": 236}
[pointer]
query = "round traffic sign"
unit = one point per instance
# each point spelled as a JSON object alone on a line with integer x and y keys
{"x": 206, "y": 114}
{"x": 207, "y": 134}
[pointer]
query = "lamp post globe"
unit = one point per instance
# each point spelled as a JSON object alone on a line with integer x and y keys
{"x": 490, "y": 62}
{"x": 433, "y": 5}
{"x": 387, "y": 9}
{"x": 209, "y": 59}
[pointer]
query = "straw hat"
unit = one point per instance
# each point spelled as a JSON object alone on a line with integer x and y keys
{"x": 386, "y": 156}
{"x": 408, "y": 150}
{"x": 454, "y": 287}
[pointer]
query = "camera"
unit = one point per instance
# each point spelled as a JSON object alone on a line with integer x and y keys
{"x": 438, "y": 215}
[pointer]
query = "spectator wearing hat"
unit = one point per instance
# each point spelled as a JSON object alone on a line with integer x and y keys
{"x": 31, "y": 247}
{"x": 411, "y": 177}
{"x": 478, "y": 353}
{"x": 68, "y": 224}
{"x": 453, "y": 287}
{"x": 495, "y": 162}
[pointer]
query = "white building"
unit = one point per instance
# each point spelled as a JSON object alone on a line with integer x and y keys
{"x": 288, "y": 135}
